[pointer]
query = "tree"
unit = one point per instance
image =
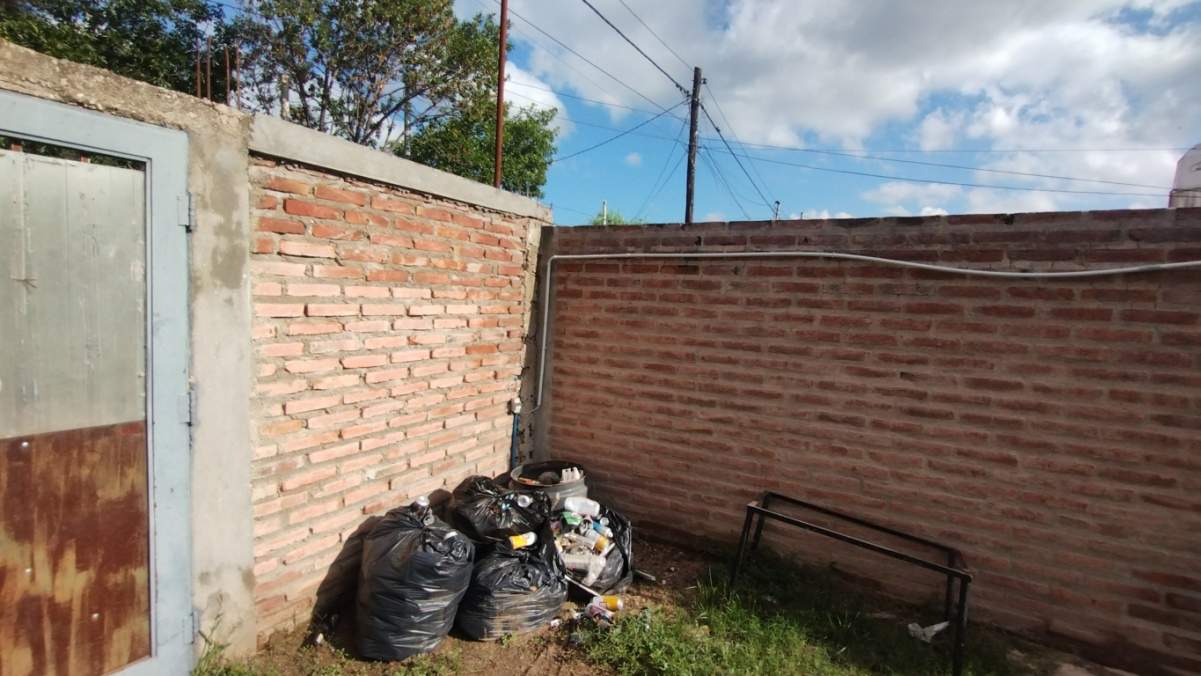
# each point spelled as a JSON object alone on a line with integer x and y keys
{"x": 614, "y": 217}
{"x": 368, "y": 70}
{"x": 150, "y": 40}
{"x": 465, "y": 144}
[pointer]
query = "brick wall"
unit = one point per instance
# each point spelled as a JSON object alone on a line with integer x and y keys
{"x": 1050, "y": 429}
{"x": 388, "y": 331}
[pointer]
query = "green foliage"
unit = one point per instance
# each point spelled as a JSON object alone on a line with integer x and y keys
{"x": 367, "y": 70}
{"x": 465, "y": 144}
{"x": 781, "y": 620}
{"x": 614, "y": 217}
{"x": 150, "y": 40}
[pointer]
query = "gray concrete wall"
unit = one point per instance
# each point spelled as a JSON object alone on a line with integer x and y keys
{"x": 219, "y": 308}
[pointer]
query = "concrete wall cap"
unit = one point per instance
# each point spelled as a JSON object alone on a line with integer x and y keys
{"x": 274, "y": 137}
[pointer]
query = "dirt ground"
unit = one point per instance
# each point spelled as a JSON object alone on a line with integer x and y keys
{"x": 546, "y": 651}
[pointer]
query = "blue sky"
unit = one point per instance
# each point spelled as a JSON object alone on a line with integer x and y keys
{"x": 1090, "y": 89}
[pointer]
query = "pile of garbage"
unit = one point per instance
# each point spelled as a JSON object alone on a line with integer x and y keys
{"x": 596, "y": 544}
{"x": 517, "y": 588}
{"x": 415, "y": 571}
{"x": 505, "y": 568}
{"x": 489, "y": 513}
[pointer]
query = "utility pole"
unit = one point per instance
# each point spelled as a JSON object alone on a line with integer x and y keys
{"x": 604, "y": 212}
{"x": 776, "y": 212}
{"x": 693, "y": 109}
{"x": 500, "y": 92}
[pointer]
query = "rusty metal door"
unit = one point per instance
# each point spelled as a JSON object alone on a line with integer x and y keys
{"x": 92, "y": 345}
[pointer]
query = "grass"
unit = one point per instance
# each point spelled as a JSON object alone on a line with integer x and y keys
{"x": 783, "y": 620}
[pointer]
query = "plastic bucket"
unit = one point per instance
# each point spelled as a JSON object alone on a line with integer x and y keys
{"x": 528, "y": 477}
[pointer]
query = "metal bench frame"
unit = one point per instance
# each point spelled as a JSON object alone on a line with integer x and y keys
{"x": 954, "y": 569}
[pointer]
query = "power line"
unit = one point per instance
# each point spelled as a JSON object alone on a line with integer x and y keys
{"x": 733, "y": 133}
{"x": 581, "y": 98}
{"x": 585, "y": 59}
{"x": 967, "y": 151}
{"x": 652, "y": 31}
{"x": 722, "y": 179}
{"x": 655, "y": 187}
{"x": 955, "y": 183}
{"x": 616, "y": 136}
{"x": 943, "y": 165}
{"x": 636, "y": 47}
{"x": 746, "y": 173}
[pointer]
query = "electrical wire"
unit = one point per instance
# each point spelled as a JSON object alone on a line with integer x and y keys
{"x": 733, "y": 133}
{"x": 585, "y": 59}
{"x": 655, "y": 187}
{"x": 653, "y": 196}
{"x": 652, "y": 31}
{"x": 720, "y": 177}
{"x": 616, "y": 136}
{"x": 746, "y": 173}
{"x": 578, "y": 97}
{"x": 962, "y": 184}
{"x": 897, "y": 160}
{"x": 636, "y": 47}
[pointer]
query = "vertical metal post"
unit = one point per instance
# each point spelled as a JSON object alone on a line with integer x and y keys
{"x": 208, "y": 68}
{"x": 500, "y": 92}
{"x": 960, "y": 630}
{"x": 946, "y": 606}
{"x": 198, "y": 66}
{"x": 238, "y": 75}
{"x": 604, "y": 212}
{"x": 759, "y": 526}
{"x": 225, "y": 51}
{"x": 746, "y": 531}
{"x": 692, "y": 135}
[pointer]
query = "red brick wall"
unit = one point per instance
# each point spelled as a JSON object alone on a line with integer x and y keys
{"x": 388, "y": 332}
{"x": 1050, "y": 429}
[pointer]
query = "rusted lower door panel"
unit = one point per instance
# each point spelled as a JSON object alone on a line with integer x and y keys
{"x": 74, "y": 548}
{"x": 74, "y": 523}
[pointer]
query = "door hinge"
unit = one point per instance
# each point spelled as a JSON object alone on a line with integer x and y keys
{"x": 187, "y": 215}
{"x": 187, "y": 405}
{"x": 193, "y": 627}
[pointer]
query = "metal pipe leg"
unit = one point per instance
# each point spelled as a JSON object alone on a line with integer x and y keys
{"x": 758, "y": 533}
{"x": 946, "y": 607}
{"x": 960, "y": 631}
{"x": 746, "y": 531}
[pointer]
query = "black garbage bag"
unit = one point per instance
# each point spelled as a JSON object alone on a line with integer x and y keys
{"x": 618, "y": 572}
{"x": 513, "y": 591}
{"x": 415, "y": 571}
{"x": 489, "y": 513}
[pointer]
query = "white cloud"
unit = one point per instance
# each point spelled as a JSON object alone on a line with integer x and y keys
{"x": 523, "y": 89}
{"x": 823, "y": 214}
{"x": 894, "y": 192}
{"x": 1014, "y": 74}
{"x": 933, "y": 211}
{"x": 634, "y": 160}
{"x": 713, "y": 217}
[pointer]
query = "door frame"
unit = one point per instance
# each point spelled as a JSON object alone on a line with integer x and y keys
{"x": 168, "y": 404}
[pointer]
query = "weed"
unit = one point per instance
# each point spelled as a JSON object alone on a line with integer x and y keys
{"x": 781, "y": 620}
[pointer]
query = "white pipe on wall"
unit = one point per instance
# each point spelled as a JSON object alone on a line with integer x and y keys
{"x": 544, "y": 327}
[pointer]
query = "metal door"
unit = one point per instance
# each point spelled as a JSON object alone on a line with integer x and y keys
{"x": 94, "y": 447}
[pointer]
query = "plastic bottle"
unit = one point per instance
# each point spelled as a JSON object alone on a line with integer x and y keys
{"x": 595, "y": 567}
{"x": 523, "y": 540}
{"x": 577, "y": 561}
{"x": 608, "y": 601}
{"x": 582, "y": 506}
